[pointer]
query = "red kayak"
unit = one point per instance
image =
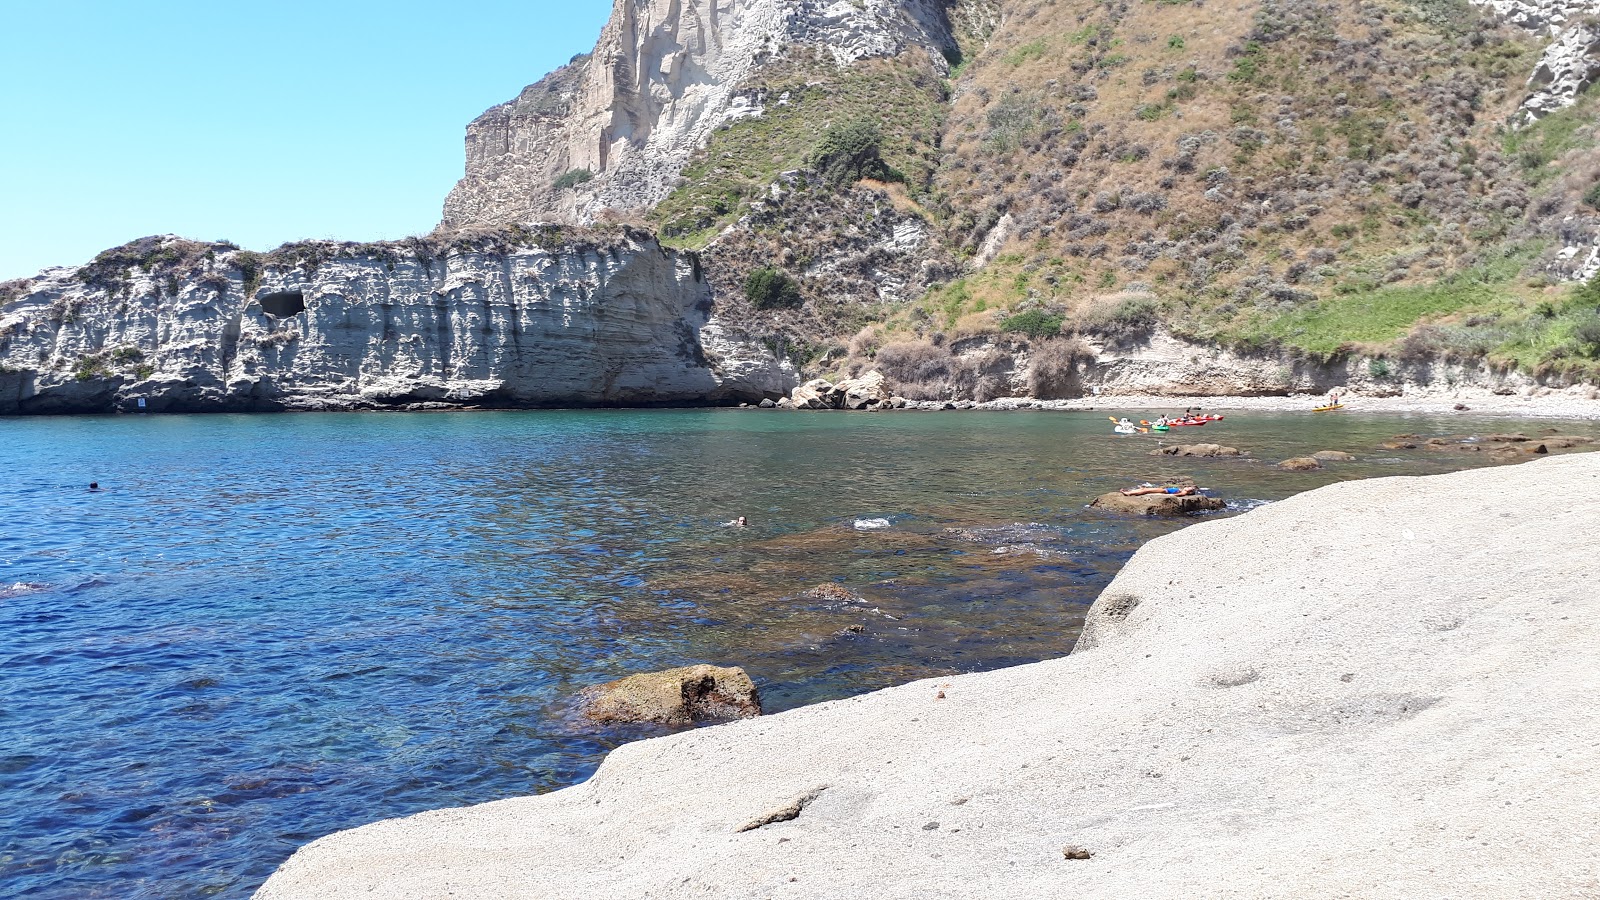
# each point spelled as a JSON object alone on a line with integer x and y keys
{"x": 1181, "y": 424}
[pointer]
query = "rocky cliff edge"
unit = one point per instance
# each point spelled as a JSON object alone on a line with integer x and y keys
{"x": 1378, "y": 688}
{"x": 514, "y": 317}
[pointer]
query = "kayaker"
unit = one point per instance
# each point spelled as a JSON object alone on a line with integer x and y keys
{"x": 1124, "y": 423}
{"x": 1162, "y": 422}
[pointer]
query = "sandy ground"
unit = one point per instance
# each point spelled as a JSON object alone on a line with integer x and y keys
{"x": 1380, "y": 688}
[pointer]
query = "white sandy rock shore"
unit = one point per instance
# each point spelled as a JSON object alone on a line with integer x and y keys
{"x": 1380, "y": 688}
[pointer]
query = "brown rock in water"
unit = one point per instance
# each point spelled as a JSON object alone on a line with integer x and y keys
{"x": 1505, "y": 438}
{"x": 1332, "y": 456}
{"x": 833, "y": 591}
{"x": 1566, "y": 441}
{"x": 1462, "y": 407}
{"x": 1205, "y": 450}
{"x": 1299, "y": 464}
{"x": 677, "y": 697}
{"x": 1398, "y": 445}
{"x": 1157, "y": 504}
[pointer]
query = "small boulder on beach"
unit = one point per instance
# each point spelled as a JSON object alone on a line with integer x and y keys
{"x": 681, "y": 696}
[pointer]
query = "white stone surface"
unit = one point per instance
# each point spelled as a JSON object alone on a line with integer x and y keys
{"x": 1380, "y": 688}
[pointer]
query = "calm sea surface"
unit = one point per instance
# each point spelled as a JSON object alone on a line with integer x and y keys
{"x": 268, "y": 628}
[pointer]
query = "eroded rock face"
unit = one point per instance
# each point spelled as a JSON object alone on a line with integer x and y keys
{"x": 868, "y": 391}
{"x": 586, "y": 322}
{"x": 677, "y": 697}
{"x": 663, "y": 76}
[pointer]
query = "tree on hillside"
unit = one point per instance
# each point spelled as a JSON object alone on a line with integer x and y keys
{"x": 769, "y": 288}
{"x": 851, "y": 151}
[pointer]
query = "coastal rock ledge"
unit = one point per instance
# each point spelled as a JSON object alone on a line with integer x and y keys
{"x": 1378, "y": 688}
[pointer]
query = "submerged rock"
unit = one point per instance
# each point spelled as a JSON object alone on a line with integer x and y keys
{"x": 1332, "y": 456}
{"x": 1205, "y": 450}
{"x": 1299, "y": 464}
{"x": 680, "y": 696}
{"x": 832, "y": 591}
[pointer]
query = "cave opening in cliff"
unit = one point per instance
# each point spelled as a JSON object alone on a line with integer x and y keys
{"x": 284, "y": 304}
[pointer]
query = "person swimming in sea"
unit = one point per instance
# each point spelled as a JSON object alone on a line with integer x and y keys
{"x": 94, "y": 487}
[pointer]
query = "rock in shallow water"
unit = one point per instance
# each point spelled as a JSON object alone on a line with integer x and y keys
{"x": 1157, "y": 504}
{"x": 1299, "y": 464}
{"x": 680, "y": 696}
{"x": 1205, "y": 450}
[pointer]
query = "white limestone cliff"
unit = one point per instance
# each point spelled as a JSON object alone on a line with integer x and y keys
{"x": 620, "y": 321}
{"x": 663, "y": 76}
{"x": 1570, "y": 62}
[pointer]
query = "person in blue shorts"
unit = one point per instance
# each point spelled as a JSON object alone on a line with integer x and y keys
{"x": 1172, "y": 489}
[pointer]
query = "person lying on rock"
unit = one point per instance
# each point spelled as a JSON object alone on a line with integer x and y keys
{"x": 1173, "y": 489}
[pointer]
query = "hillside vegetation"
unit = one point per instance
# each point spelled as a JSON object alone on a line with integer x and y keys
{"x": 1314, "y": 179}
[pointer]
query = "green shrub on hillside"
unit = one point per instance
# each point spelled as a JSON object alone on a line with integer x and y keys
{"x": 851, "y": 151}
{"x": 572, "y": 178}
{"x": 1033, "y": 323}
{"x": 771, "y": 289}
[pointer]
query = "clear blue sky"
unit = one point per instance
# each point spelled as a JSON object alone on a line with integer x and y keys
{"x": 252, "y": 121}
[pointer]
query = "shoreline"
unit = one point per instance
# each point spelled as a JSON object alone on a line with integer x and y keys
{"x": 1262, "y": 728}
{"x": 1555, "y": 405}
{"x": 1571, "y": 404}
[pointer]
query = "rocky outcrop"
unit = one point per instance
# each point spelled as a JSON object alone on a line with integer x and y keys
{"x": 1258, "y": 728}
{"x": 1570, "y": 62}
{"x": 681, "y": 696}
{"x": 868, "y": 391}
{"x": 1165, "y": 505}
{"x": 1300, "y": 464}
{"x": 613, "y": 129}
{"x": 1200, "y": 450}
{"x": 524, "y": 319}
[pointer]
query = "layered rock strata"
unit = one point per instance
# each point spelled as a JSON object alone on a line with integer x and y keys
{"x": 613, "y": 129}
{"x": 170, "y": 325}
{"x": 1377, "y": 688}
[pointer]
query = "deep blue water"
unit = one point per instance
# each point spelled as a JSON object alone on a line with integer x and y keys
{"x": 268, "y": 628}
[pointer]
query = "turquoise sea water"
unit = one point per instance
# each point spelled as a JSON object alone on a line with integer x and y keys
{"x": 268, "y": 628}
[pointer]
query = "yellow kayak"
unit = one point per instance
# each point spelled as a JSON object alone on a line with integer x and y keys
{"x": 1329, "y": 407}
